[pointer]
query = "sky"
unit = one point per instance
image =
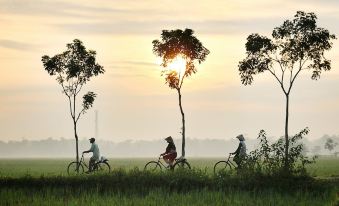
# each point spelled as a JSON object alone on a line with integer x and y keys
{"x": 133, "y": 101}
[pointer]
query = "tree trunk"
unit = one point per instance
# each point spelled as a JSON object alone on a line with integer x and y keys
{"x": 76, "y": 141}
{"x": 183, "y": 125}
{"x": 75, "y": 130}
{"x": 286, "y": 133}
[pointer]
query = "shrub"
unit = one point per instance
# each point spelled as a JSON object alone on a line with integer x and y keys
{"x": 269, "y": 159}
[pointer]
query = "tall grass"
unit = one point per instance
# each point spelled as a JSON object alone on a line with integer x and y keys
{"x": 181, "y": 181}
{"x": 163, "y": 197}
{"x": 186, "y": 187}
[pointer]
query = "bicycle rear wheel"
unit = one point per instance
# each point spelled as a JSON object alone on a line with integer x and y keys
{"x": 102, "y": 168}
{"x": 75, "y": 168}
{"x": 222, "y": 167}
{"x": 152, "y": 166}
{"x": 183, "y": 164}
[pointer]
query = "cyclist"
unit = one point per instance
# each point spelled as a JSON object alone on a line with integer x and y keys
{"x": 170, "y": 154}
{"x": 240, "y": 153}
{"x": 96, "y": 154}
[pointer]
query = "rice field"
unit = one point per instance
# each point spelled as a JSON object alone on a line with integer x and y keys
{"x": 324, "y": 166}
{"x": 45, "y": 182}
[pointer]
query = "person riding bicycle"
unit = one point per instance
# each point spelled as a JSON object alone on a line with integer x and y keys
{"x": 170, "y": 154}
{"x": 96, "y": 154}
{"x": 240, "y": 153}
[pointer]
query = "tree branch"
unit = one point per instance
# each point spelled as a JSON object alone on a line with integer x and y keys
{"x": 295, "y": 76}
{"x": 74, "y": 96}
{"x": 70, "y": 106}
{"x": 282, "y": 71}
{"x": 181, "y": 81}
{"x": 79, "y": 115}
{"x": 291, "y": 75}
{"x": 77, "y": 92}
{"x": 68, "y": 96}
{"x": 281, "y": 84}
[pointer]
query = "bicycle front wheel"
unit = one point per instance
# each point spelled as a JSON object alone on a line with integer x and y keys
{"x": 102, "y": 168}
{"x": 152, "y": 166}
{"x": 222, "y": 167}
{"x": 75, "y": 168}
{"x": 182, "y": 165}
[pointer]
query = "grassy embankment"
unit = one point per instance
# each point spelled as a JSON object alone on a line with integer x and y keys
{"x": 21, "y": 183}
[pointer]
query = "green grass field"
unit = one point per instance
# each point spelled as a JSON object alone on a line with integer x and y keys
{"x": 324, "y": 166}
{"x": 45, "y": 182}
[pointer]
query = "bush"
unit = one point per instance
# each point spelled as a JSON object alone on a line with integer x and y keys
{"x": 269, "y": 159}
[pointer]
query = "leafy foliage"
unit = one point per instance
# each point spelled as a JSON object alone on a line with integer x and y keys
{"x": 176, "y": 43}
{"x": 297, "y": 43}
{"x": 88, "y": 100}
{"x": 75, "y": 62}
{"x": 269, "y": 158}
{"x": 74, "y": 68}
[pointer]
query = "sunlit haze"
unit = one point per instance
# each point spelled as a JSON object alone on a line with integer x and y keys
{"x": 133, "y": 101}
{"x": 178, "y": 64}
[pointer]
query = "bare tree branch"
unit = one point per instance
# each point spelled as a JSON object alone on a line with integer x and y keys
{"x": 281, "y": 84}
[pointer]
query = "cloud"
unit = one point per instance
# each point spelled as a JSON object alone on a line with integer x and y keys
{"x": 133, "y": 63}
{"x": 52, "y": 8}
{"x": 10, "y": 44}
{"x": 151, "y": 27}
{"x": 130, "y": 68}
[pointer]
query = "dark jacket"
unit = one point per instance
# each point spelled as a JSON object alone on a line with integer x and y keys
{"x": 170, "y": 147}
{"x": 237, "y": 152}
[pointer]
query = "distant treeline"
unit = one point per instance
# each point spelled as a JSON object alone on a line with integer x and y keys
{"x": 141, "y": 148}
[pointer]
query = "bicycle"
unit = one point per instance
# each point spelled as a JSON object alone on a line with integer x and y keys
{"x": 100, "y": 166}
{"x": 224, "y": 166}
{"x": 180, "y": 163}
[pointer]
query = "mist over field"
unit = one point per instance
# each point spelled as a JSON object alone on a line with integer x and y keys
{"x": 61, "y": 147}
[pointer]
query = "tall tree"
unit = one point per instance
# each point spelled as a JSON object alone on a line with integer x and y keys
{"x": 73, "y": 69}
{"x": 179, "y": 44}
{"x": 297, "y": 45}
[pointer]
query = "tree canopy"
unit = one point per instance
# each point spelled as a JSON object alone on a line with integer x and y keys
{"x": 181, "y": 43}
{"x": 74, "y": 68}
{"x": 297, "y": 43}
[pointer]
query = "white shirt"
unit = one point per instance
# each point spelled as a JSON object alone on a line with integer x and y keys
{"x": 95, "y": 150}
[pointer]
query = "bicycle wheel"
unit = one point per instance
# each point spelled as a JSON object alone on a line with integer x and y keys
{"x": 183, "y": 164}
{"x": 222, "y": 167}
{"x": 152, "y": 166}
{"x": 75, "y": 168}
{"x": 102, "y": 168}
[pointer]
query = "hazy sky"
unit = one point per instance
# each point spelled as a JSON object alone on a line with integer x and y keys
{"x": 133, "y": 101}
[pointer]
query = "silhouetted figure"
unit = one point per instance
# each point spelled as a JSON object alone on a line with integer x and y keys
{"x": 240, "y": 153}
{"x": 171, "y": 153}
{"x": 96, "y": 154}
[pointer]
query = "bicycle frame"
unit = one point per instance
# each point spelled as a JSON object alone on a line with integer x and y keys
{"x": 160, "y": 162}
{"x": 167, "y": 166}
{"x": 230, "y": 162}
{"x": 82, "y": 161}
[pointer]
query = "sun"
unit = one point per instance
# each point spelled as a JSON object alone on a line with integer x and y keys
{"x": 178, "y": 64}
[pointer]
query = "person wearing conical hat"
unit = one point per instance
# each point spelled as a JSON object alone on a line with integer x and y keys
{"x": 170, "y": 154}
{"x": 240, "y": 153}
